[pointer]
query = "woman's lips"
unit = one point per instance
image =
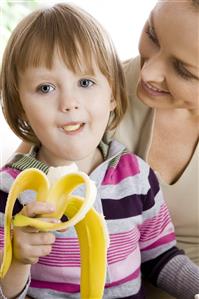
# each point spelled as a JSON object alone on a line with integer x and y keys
{"x": 151, "y": 90}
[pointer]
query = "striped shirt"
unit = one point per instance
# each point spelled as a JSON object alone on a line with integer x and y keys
{"x": 141, "y": 233}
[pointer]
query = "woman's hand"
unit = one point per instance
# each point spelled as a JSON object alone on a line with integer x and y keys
{"x": 29, "y": 244}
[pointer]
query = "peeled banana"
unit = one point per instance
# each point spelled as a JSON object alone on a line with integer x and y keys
{"x": 90, "y": 225}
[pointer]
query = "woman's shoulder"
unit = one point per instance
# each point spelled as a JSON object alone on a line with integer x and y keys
{"x": 131, "y": 69}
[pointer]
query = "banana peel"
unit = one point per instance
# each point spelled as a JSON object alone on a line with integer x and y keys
{"x": 89, "y": 225}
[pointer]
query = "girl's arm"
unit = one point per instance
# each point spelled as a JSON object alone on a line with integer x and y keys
{"x": 28, "y": 246}
{"x": 180, "y": 277}
{"x": 16, "y": 280}
{"x": 164, "y": 264}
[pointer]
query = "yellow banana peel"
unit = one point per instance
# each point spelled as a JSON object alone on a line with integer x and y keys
{"x": 90, "y": 225}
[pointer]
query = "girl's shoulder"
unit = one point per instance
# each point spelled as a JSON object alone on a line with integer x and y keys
{"x": 7, "y": 177}
{"x": 128, "y": 167}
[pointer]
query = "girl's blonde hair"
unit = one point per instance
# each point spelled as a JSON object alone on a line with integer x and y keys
{"x": 33, "y": 42}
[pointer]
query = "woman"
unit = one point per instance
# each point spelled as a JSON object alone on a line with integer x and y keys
{"x": 161, "y": 124}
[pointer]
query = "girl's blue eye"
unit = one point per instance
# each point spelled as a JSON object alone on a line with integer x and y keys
{"x": 86, "y": 83}
{"x": 45, "y": 88}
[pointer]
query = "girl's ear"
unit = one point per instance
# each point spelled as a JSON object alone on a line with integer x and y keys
{"x": 112, "y": 104}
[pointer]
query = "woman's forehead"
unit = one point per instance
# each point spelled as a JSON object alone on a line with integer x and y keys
{"x": 177, "y": 31}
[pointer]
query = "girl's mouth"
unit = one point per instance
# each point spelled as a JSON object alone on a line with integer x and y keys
{"x": 73, "y": 128}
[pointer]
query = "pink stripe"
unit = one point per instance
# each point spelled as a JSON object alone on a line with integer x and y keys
{"x": 60, "y": 265}
{"x": 151, "y": 228}
{"x": 55, "y": 274}
{"x": 123, "y": 235}
{"x": 164, "y": 240}
{"x": 153, "y": 234}
{"x": 61, "y": 287}
{"x": 75, "y": 288}
{"x": 125, "y": 241}
{"x": 132, "y": 276}
{"x": 1, "y": 237}
{"x": 69, "y": 240}
{"x": 122, "y": 245}
{"x": 58, "y": 255}
{"x": 128, "y": 166}
{"x": 118, "y": 259}
{"x": 13, "y": 172}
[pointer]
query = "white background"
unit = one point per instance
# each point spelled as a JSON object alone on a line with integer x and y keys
{"x": 122, "y": 19}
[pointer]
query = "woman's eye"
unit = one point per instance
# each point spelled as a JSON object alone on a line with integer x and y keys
{"x": 151, "y": 34}
{"x": 86, "y": 83}
{"x": 182, "y": 71}
{"x": 45, "y": 88}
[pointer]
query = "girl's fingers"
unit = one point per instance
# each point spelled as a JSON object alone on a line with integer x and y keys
{"x": 33, "y": 237}
{"x": 34, "y": 209}
{"x": 42, "y": 239}
{"x": 30, "y": 229}
{"x": 32, "y": 254}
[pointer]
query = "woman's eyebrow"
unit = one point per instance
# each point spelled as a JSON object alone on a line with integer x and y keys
{"x": 151, "y": 23}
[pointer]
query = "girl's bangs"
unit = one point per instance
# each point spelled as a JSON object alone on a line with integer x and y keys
{"x": 75, "y": 48}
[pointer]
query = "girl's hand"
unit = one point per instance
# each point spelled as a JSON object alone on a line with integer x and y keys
{"x": 28, "y": 243}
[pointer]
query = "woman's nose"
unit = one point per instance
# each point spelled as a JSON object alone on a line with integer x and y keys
{"x": 153, "y": 69}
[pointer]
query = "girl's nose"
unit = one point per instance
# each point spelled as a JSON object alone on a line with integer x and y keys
{"x": 68, "y": 102}
{"x": 67, "y": 109}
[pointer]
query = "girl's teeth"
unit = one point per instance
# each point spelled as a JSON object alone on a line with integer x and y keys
{"x": 71, "y": 128}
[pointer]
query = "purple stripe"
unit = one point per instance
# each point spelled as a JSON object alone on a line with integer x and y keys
{"x": 122, "y": 208}
{"x": 3, "y": 199}
{"x": 131, "y": 205}
{"x": 127, "y": 166}
{"x": 148, "y": 199}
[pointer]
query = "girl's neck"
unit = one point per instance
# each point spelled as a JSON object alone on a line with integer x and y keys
{"x": 86, "y": 165}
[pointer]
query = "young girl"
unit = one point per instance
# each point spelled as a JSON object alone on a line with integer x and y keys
{"x": 63, "y": 88}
